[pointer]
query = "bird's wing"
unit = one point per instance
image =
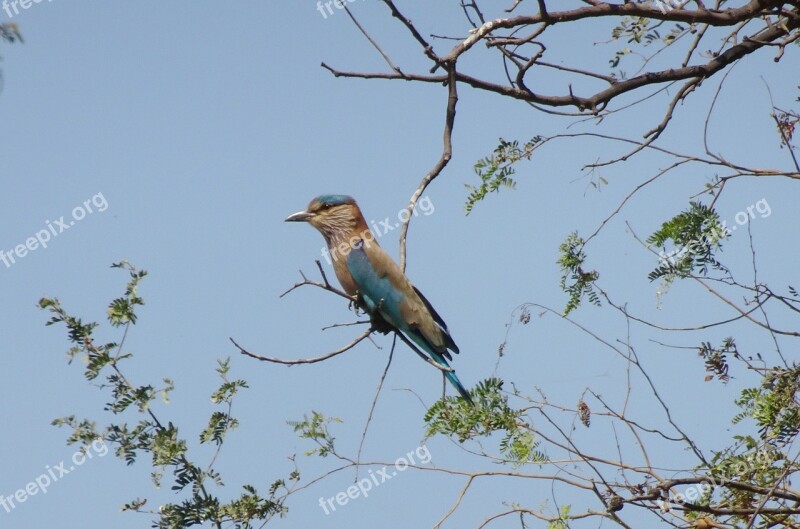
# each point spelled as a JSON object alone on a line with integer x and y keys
{"x": 375, "y": 286}
{"x": 439, "y": 322}
{"x": 385, "y": 288}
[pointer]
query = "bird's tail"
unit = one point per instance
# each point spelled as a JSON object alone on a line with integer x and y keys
{"x": 442, "y": 361}
{"x": 451, "y": 376}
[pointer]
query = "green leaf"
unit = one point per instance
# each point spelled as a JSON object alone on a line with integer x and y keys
{"x": 687, "y": 244}
{"x": 495, "y": 171}
{"x": 575, "y": 280}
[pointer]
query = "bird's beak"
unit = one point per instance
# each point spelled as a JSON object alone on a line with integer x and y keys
{"x": 300, "y": 216}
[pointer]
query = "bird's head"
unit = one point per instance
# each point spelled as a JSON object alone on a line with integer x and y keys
{"x": 331, "y": 215}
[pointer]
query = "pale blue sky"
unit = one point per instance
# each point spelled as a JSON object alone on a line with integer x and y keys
{"x": 203, "y": 125}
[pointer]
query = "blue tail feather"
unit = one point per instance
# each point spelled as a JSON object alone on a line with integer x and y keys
{"x": 451, "y": 376}
{"x": 441, "y": 359}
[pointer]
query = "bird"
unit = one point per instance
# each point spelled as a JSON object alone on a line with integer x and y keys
{"x": 367, "y": 273}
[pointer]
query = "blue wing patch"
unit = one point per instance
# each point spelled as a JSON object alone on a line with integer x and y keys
{"x": 377, "y": 291}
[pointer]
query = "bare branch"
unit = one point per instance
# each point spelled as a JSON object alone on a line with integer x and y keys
{"x": 314, "y": 360}
{"x": 447, "y": 153}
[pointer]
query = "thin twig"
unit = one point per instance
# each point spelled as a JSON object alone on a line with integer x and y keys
{"x": 314, "y": 360}
{"x": 374, "y": 403}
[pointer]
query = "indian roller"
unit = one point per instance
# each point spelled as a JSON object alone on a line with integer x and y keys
{"x": 381, "y": 289}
